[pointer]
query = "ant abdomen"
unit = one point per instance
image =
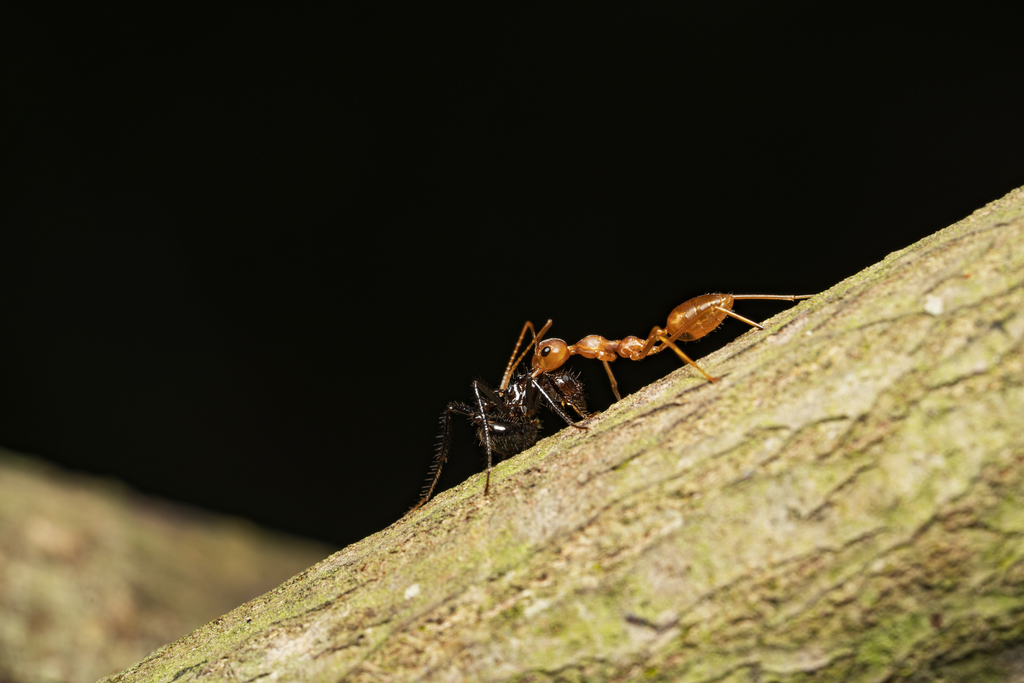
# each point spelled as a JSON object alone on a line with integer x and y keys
{"x": 698, "y": 316}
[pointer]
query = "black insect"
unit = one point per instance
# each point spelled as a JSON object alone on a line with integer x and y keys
{"x": 507, "y": 420}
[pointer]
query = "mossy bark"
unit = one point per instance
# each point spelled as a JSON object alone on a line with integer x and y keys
{"x": 842, "y": 505}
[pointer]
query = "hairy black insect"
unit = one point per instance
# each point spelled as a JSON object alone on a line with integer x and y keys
{"x": 507, "y": 420}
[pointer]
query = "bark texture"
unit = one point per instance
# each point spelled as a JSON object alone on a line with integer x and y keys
{"x": 843, "y": 505}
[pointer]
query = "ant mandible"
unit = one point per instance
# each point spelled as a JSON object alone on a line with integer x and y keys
{"x": 689, "y": 321}
{"x": 506, "y": 420}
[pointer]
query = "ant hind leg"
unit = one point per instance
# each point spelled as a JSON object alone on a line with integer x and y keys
{"x": 443, "y": 447}
{"x": 666, "y": 342}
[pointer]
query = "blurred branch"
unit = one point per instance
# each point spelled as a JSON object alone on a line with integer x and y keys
{"x": 94, "y": 576}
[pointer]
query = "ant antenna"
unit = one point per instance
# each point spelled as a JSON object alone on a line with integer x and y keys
{"x": 514, "y": 362}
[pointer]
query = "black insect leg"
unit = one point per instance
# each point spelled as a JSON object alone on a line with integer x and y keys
{"x": 486, "y": 427}
{"x": 555, "y": 405}
{"x": 443, "y": 447}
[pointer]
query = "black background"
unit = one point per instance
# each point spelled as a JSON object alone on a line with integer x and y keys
{"x": 248, "y": 259}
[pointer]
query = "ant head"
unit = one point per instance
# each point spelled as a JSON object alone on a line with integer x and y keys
{"x": 551, "y": 354}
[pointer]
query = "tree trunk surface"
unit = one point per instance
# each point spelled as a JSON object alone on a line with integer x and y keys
{"x": 843, "y": 505}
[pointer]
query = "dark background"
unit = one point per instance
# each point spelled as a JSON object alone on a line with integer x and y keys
{"x": 247, "y": 260}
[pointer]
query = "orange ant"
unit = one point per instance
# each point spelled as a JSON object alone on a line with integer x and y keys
{"x": 689, "y": 321}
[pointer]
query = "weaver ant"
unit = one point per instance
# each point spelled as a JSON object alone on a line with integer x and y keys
{"x": 688, "y": 321}
{"x": 506, "y": 420}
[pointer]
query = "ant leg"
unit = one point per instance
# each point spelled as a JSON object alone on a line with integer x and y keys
{"x": 555, "y": 405}
{"x": 443, "y": 447}
{"x": 762, "y": 297}
{"x": 615, "y": 385}
{"x": 774, "y": 297}
{"x": 739, "y": 317}
{"x": 658, "y": 334}
{"x": 487, "y": 431}
{"x": 649, "y": 347}
{"x": 666, "y": 342}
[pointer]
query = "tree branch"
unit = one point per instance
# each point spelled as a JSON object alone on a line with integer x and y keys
{"x": 843, "y": 504}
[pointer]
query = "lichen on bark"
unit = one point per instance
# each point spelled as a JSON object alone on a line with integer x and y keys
{"x": 843, "y": 505}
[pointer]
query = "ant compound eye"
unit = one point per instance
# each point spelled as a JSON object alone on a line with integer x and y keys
{"x": 545, "y": 351}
